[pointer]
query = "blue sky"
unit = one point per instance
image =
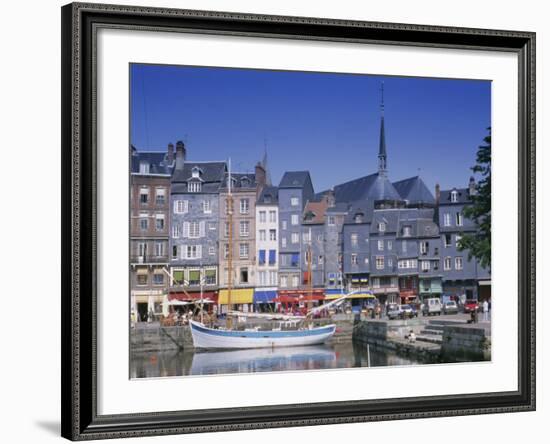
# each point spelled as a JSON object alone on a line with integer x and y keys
{"x": 328, "y": 124}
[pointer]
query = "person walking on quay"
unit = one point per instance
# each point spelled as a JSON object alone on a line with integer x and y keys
{"x": 485, "y": 310}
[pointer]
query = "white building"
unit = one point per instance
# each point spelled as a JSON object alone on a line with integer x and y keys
{"x": 267, "y": 250}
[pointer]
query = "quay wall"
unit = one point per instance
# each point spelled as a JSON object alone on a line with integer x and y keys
{"x": 157, "y": 338}
{"x": 465, "y": 343}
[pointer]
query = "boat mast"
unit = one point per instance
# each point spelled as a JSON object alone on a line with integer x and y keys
{"x": 309, "y": 275}
{"x": 229, "y": 206}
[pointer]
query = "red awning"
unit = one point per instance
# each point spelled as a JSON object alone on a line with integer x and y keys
{"x": 317, "y": 294}
{"x": 193, "y": 295}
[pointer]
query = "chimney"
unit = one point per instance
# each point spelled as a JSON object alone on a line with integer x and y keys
{"x": 260, "y": 176}
{"x": 437, "y": 194}
{"x": 170, "y": 154}
{"x": 472, "y": 186}
{"x": 331, "y": 198}
{"x": 180, "y": 155}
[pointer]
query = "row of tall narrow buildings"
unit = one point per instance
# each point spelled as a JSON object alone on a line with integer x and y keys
{"x": 396, "y": 240}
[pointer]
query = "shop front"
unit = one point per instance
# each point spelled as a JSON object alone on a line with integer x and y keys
{"x": 241, "y": 299}
{"x": 484, "y": 290}
{"x": 430, "y": 288}
{"x": 194, "y": 301}
{"x": 264, "y": 300}
{"x": 297, "y": 301}
{"x": 408, "y": 289}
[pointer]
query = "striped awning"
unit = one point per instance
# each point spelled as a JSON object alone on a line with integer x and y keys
{"x": 238, "y": 296}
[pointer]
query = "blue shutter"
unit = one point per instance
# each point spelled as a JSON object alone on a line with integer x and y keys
{"x": 262, "y": 257}
{"x": 295, "y": 259}
{"x": 272, "y": 257}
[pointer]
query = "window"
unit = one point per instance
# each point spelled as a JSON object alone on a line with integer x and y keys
{"x": 353, "y": 259}
{"x": 294, "y": 201}
{"x": 226, "y": 251}
{"x": 144, "y": 167}
{"x": 294, "y": 259}
{"x": 244, "y": 206}
{"x": 272, "y": 257}
{"x": 390, "y": 245}
{"x": 320, "y": 260}
{"x": 380, "y": 245}
{"x": 193, "y": 252}
{"x": 283, "y": 223}
{"x": 196, "y": 171}
{"x": 366, "y": 261}
{"x": 176, "y": 231}
{"x": 158, "y": 279}
{"x": 211, "y": 225}
{"x": 262, "y": 235}
{"x": 295, "y": 238}
{"x": 143, "y": 223}
{"x": 142, "y": 249}
{"x": 358, "y": 218}
{"x": 381, "y": 227}
{"x": 142, "y": 279}
{"x": 160, "y": 196}
{"x": 181, "y": 206}
{"x": 226, "y": 229}
{"x": 159, "y": 249}
{"x": 210, "y": 276}
{"x": 272, "y": 278}
{"x": 436, "y": 265}
{"x": 243, "y": 251}
{"x": 406, "y": 230}
{"x": 425, "y": 265}
{"x": 354, "y": 239}
{"x": 262, "y": 216}
{"x": 454, "y": 196}
{"x": 447, "y": 240}
{"x": 261, "y": 257}
{"x": 379, "y": 262}
{"x": 390, "y": 262}
{"x": 244, "y": 226}
{"x": 458, "y": 263}
{"x": 285, "y": 260}
{"x": 426, "y": 284}
{"x": 174, "y": 252}
{"x": 331, "y": 221}
{"x": 194, "y": 277}
{"x": 244, "y": 276}
{"x": 424, "y": 247}
{"x": 272, "y": 235}
{"x": 457, "y": 239}
{"x": 211, "y": 251}
{"x": 283, "y": 242}
{"x": 194, "y": 187}
{"x": 144, "y": 196}
{"x": 295, "y": 281}
{"x": 294, "y": 219}
{"x": 263, "y": 277}
{"x": 159, "y": 222}
{"x": 306, "y": 236}
{"x": 272, "y": 216}
{"x": 194, "y": 229}
{"x": 206, "y": 208}
{"x": 447, "y": 263}
{"x": 447, "y": 220}
{"x": 376, "y": 282}
{"x": 284, "y": 281}
{"x": 459, "y": 219}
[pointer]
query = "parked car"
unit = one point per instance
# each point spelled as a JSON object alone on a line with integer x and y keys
{"x": 408, "y": 311}
{"x": 432, "y": 306}
{"x": 470, "y": 305}
{"x": 393, "y": 311}
{"x": 450, "y": 307}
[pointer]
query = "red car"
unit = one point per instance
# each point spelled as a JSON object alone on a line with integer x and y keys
{"x": 470, "y": 305}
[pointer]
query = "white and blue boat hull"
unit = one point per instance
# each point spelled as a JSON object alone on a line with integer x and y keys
{"x": 204, "y": 337}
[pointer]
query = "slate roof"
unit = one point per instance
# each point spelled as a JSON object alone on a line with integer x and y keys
{"x": 240, "y": 181}
{"x": 269, "y": 195}
{"x": 414, "y": 191}
{"x": 373, "y": 187}
{"x": 211, "y": 176}
{"x": 463, "y": 196}
{"x": 155, "y": 159}
{"x": 364, "y": 207}
{"x": 421, "y": 222}
{"x": 294, "y": 179}
{"x": 340, "y": 207}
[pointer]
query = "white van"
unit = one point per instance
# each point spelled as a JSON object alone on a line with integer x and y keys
{"x": 431, "y": 306}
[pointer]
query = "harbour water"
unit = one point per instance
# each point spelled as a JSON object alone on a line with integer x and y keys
{"x": 329, "y": 356}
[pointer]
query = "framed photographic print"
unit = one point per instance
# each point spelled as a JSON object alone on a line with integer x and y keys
{"x": 278, "y": 221}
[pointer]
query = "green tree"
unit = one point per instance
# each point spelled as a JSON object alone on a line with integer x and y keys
{"x": 478, "y": 244}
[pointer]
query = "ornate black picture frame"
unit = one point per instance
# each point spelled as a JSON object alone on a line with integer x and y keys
{"x": 80, "y": 419}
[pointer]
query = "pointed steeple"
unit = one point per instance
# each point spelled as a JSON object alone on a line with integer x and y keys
{"x": 382, "y": 155}
{"x": 264, "y": 163}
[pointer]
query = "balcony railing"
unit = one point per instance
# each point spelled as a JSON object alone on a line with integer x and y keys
{"x": 146, "y": 259}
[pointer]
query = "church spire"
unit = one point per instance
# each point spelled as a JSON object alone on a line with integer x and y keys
{"x": 382, "y": 155}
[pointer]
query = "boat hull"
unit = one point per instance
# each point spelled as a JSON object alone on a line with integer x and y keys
{"x": 209, "y": 338}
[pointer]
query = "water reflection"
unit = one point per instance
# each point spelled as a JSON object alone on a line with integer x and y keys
{"x": 338, "y": 355}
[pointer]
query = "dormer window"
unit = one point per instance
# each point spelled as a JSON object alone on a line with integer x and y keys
{"x": 245, "y": 182}
{"x": 406, "y": 230}
{"x": 381, "y": 227}
{"x": 144, "y": 167}
{"x": 194, "y": 187}
{"x": 358, "y": 218}
{"x": 454, "y": 196}
{"x": 196, "y": 172}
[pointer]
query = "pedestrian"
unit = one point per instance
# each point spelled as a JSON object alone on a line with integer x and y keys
{"x": 412, "y": 336}
{"x": 485, "y": 310}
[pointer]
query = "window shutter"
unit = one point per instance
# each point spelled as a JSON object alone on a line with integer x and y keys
{"x": 183, "y": 251}
{"x": 185, "y": 206}
{"x": 185, "y": 229}
{"x": 202, "y": 229}
{"x": 199, "y": 251}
